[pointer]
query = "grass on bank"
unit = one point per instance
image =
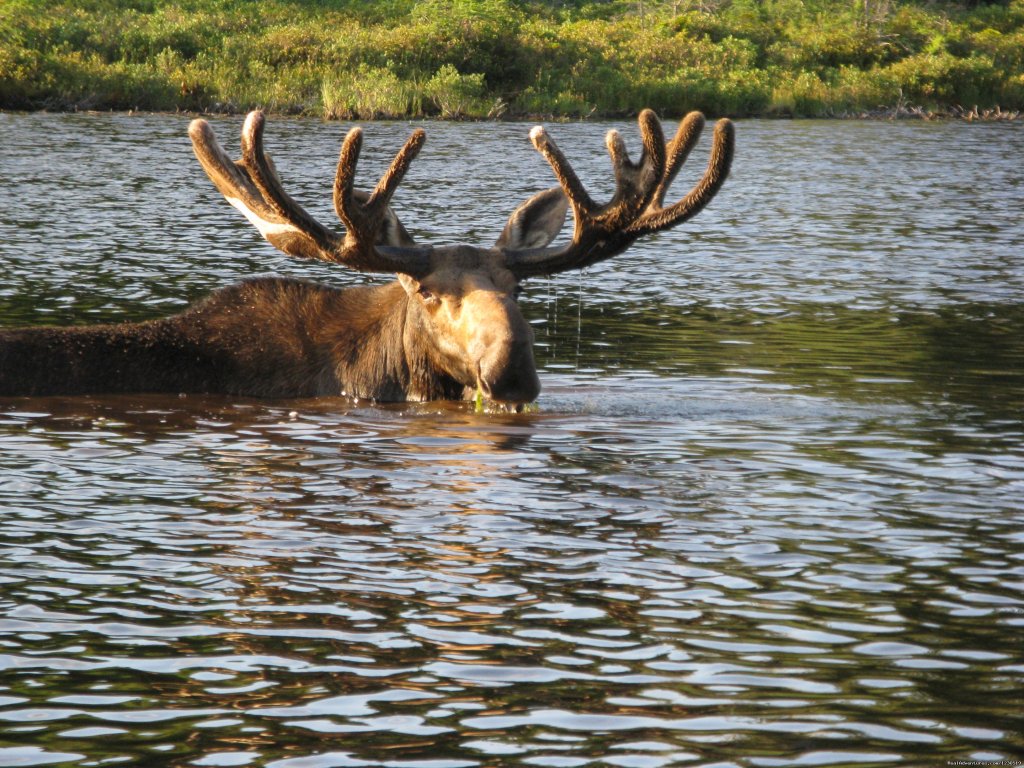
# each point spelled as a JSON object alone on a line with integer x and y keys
{"x": 489, "y": 58}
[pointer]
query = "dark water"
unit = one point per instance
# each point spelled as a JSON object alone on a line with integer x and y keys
{"x": 769, "y": 511}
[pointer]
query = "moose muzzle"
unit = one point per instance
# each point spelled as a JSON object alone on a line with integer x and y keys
{"x": 503, "y": 354}
{"x": 511, "y": 378}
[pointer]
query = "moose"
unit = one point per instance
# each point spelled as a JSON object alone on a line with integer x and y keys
{"x": 449, "y": 328}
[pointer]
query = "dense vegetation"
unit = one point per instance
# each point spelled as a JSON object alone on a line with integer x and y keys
{"x": 476, "y": 58}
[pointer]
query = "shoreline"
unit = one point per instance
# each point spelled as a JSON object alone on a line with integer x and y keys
{"x": 899, "y": 113}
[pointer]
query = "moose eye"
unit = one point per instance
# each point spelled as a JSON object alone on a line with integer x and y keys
{"x": 426, "y": 294}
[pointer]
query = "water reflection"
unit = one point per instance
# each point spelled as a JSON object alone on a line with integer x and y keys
{"x": 767, "y": 513}
{"x": 970, "y": 356}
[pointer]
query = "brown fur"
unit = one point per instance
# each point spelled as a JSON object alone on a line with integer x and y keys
{"x": 266, "y": 337}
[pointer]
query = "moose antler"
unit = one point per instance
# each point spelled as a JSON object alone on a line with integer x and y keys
{"x": 636, "y": 208}
{"x": 375, "y": 240}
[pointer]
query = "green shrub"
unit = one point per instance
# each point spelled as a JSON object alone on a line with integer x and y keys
{"x": 368, "y": 93}
{"x": 941, "y": 79}
{"x": 455, "y": 94}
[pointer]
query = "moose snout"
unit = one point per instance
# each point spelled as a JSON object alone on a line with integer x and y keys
{"x": 506, "y": 371}
{"x": 509, "y": 381}
{"x": 501, "y": 349}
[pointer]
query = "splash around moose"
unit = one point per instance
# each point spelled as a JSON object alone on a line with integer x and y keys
{"x": 447, "y": 328}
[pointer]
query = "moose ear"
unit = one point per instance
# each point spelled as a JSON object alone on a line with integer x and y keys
{"x": 535, "y": 223}
{"x": 411, "y": 284}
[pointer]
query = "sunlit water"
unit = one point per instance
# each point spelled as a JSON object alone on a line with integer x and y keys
{"x": 768, "y": 512}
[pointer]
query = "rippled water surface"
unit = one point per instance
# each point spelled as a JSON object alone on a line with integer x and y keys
{"x": 768, "y": 512}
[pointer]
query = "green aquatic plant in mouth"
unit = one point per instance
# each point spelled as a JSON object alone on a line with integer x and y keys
{"x": 481, "y": 405}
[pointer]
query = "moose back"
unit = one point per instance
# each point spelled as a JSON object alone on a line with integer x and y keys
{"x": 447, "y": 328}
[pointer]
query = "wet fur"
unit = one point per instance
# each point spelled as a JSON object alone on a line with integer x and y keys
{"x": 267, "y": 337}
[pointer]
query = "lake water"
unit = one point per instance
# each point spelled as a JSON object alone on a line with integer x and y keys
{"x": 768, "y": 513}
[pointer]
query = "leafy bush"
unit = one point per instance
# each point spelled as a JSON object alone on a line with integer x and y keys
{"x": 938, "y": 79}
{"x": 368, "y": 93}
{"x": 454, "y": 94}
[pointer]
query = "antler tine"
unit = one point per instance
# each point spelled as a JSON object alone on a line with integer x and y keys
{"x": 229, "y": 180}
{"x": 722, "y": 150}
{"x": 368, "y": 218}
{"x": 570, "y": 182}
{"x": 635, "y": 183}
{"x": 375, "y": 204}
{"x": 252, "y": 187}
{"x": 381, "y": 196}
{"x": 690, "y": 128}
{"x": 264, "y": 175}
{"x": 345, "y": 177}
{"x": 255, "y": 160}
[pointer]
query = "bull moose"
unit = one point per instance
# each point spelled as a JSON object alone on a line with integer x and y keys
{"x": 448, "y": 328}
